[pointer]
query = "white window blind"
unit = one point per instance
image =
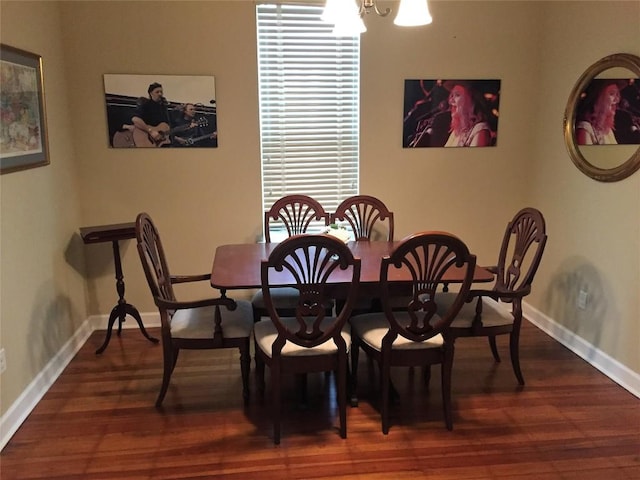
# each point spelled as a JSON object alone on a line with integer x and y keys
{"x": 309, "y": 99}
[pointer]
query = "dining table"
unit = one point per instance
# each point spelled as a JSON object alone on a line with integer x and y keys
{"x": 237, "y": 266}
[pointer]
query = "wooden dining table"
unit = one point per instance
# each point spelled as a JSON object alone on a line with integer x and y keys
{"x": 237, "y": 266}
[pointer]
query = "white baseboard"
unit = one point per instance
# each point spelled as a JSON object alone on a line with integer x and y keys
{"x": 616, "y": 371}
{"x": 26, "y": 402}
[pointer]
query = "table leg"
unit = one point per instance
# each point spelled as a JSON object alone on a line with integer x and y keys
{"x": 122, "y": 309}
{"x": 133, "y": 311}
{"x": 116, "y": 312}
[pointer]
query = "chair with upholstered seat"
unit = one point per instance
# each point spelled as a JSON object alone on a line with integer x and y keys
{"x": 498, "y": 310}
{"x": 198, "y": 324}
{"x": 290, "y": 215}
{"x": 417, "y": 335}
{"x": 367, "y": 216}
{"x": 369, "y": 219}
{"x": 309, "y": 341}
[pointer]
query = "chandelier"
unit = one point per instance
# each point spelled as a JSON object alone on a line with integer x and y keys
{"x": 347, "y": 15}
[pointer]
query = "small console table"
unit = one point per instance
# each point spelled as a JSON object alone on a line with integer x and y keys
{"x": 114, "y": 233}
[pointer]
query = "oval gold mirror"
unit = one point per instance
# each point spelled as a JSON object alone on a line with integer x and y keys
{"x": 602, "y": 119}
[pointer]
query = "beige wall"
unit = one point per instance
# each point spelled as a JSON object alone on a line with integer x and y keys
{"x": 195, "y": 197}
{"x": 42, "y": 296}
{"x": 594, "y": 227}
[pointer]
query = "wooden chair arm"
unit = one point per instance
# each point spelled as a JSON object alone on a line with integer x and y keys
{"x": 473, "y": 294}
{"x": 189, "y": 278}
{"x": 205, "y": 302}
{"x": 498, "y": 295}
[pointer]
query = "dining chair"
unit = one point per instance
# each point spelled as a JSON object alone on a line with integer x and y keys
{"x": 497, "y": 310}
{"x": 288, "y": 216}
{"x": 369, "y": 219}
{"x": 309, "y": 340}
{"x": 419, "y": 335}
{"x": 195, "y": 324}
{"x": 367, "y": 216}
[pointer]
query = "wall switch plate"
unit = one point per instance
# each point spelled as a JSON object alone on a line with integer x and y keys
{"x": 3, "y": 361}
{"x": 583, "y": 296}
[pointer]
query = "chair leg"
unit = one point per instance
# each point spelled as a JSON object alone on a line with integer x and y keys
{"x": 494, "y": 348}
{"x": 260, "y": 377}
{"x": 276, "y": 397}
{"x": 355, "y": 354}
{"x": 259, "y": 372}
{"x": 341, "y": 388}
{"x": 447, "y": 367}
{"x": 170, "y": 356}
{"x": 426, "y": 375}
{"x": 514, "y": 348}
{"x": 384, "y": 387}
{"x": 175, "y": 352}
{"x": 245, "y": 367}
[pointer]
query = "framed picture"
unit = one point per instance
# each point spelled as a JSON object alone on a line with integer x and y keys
{"x": 450, "y": 113}
{"x": 161, "y": 111}
{"x": 608, "y": 112}
{"x": 23, "y": 132}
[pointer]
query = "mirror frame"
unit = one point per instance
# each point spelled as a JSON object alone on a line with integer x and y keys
{"x": 626, "y": 168}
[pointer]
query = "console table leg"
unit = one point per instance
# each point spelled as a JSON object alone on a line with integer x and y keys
{"x": 115, "y": 313}
{"x": 133, "y": 311}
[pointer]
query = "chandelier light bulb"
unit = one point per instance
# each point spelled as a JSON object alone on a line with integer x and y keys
{"x": 413, "y": 13}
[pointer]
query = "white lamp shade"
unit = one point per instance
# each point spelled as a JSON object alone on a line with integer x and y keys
{"x": 332, "y": 10}
{"x": 345, "y": 18}
{"x": 335, "y": 10}
{"x": 412, "y": 13}
{"x": 349, "y": 26}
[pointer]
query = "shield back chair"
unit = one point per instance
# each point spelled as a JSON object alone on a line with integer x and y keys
{"x": 417, "y": 335}
{"x": 290, "y": 215}
{"x": 309, "y": 341}
{"x": 369, "y": 219}
{"x": 498, "y": 310}
{"x": 197, "y": 324}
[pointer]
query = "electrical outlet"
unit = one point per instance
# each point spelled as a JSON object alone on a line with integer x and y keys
{"x": 3, "y": 361}
{"x": 583, "y": 296}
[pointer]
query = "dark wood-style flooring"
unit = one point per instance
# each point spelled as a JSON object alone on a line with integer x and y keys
{"x": 98, "y": 421}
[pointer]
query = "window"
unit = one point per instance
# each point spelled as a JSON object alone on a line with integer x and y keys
{"x": 309, "y": 99}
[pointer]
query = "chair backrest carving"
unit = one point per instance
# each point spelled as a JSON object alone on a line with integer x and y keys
{"x": 364, "y": 213}
{"x": 521, "y": 251}
{"x": 428, "y": 256}
{"x": 153, "y": 259}
{"x": 295, "y": 213}
{"x": 314, "y": 262}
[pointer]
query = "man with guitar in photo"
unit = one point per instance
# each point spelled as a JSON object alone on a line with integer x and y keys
{"x": 193, "y": 134}
{"x": 152, "y": 122}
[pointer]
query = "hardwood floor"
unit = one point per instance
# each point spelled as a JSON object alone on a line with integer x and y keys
{"x": 98, "y": 421}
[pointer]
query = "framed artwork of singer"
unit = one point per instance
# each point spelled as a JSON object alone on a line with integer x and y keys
{"x": 161, "y": 111}
{"x": 450, "y": 113}
{"x": 608, "y": 112}
{"x": 23, "y": 128}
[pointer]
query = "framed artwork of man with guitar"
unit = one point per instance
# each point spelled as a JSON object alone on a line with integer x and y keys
{"x": 187, "y": 118}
